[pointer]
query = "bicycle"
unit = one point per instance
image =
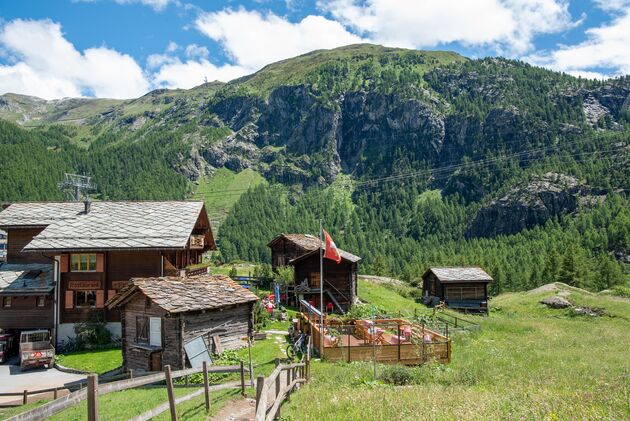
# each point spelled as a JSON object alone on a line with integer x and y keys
{"x": 297, "y": 348}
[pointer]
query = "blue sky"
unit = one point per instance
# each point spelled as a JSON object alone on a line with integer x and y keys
{"x": 123, "y": 48}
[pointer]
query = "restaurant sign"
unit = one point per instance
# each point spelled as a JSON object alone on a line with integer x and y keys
{"x": 83, "y": 285}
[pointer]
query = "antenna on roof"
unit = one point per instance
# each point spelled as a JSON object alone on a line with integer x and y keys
{"x": 76, "y": 187}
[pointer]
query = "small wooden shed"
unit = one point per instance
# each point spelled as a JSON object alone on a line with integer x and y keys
{"x": 159, "y": 316}
{"x": 460, "y": 288}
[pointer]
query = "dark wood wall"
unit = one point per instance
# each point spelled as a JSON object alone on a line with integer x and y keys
{"x": 283, "y": 251}
{"x": 341, "y": 276}
{"x": 17, "y": 238}
{"x": 24, "y": 313}
{"x": 136, "y": 356}
{"x": 231, "y": 324}
{"x": 118, "y": 268}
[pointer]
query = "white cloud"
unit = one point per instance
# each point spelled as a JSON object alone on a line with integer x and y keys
{"x": 194, "y": 50}
{"x": 169, "y": 71}
{"x": 606, "y": 50}
{"x": 157, "y": 5}
{"x": 253, "y": 39}
{"x": 612, "y": 5}
{"x": 191, "y": 73}
{"x": 505, "y": 25}
{"x": 45, "y": 64}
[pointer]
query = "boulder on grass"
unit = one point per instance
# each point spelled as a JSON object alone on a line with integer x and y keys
{"x": 557, "y": 301}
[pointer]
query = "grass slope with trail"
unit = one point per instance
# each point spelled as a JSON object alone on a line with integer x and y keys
{"x": 526, "y": 362}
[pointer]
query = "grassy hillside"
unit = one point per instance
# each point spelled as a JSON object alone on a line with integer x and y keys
{"x": 526, "y": 362}
{"x": 350, "y": 60}
{"x": 223, "y": 190}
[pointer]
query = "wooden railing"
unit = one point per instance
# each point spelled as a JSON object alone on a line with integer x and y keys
{"x": 295, "y": 374}
{"x": 26, "y": 393}
{"x": 93, "y": 391}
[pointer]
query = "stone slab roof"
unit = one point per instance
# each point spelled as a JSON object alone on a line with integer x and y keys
{"x": 38, "y": 214}
{"x": 32, "y": 278}
{"x": 108, "y": 225}
{"x": 459, "y": 274}
{"x": 311, "y": 243}
{"x": 180, "y": 295}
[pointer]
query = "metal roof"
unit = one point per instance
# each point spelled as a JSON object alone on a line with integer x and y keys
{"x": 179, "y": 295}
{"x": 108, "y": 225}
{"x": 458, "y": 274}
{"x": 31, "y": 278}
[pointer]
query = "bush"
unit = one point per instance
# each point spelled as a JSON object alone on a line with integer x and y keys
{"x": 261, "y": 317}
{"x": 397, "y": 375}
{"x": 92, "y": 334}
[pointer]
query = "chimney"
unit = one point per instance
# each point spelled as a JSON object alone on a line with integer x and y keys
{"x": 87, "y": 205}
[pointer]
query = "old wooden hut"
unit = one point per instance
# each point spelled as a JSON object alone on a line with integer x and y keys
{"x": 160, "y": 316}
{"x": 302, "y": 252}
{"x": 460, "y": 288}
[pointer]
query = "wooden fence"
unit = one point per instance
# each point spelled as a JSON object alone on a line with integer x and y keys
{"x": 295, "y": 374}
{"x": 26, "y": 393}
{"x": 93, "y": 391}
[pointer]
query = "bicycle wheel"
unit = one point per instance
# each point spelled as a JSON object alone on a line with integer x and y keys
{"x": 291, "y": 352}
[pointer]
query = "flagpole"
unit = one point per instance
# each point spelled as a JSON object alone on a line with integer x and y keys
{"x": 321, "y": 289}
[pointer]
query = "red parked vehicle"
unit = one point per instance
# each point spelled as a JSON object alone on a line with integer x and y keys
{"x": 8, "y": 346}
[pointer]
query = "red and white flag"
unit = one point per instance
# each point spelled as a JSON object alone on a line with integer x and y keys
{"x": 332, "y": 252}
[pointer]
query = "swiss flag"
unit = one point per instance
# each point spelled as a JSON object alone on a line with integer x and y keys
{"x": 332, "y": 252}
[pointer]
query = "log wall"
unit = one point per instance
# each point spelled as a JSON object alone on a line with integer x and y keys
{"x": 17, "y": 238}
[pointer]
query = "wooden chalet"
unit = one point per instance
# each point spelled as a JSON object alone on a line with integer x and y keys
{"x": 459, "y": 288}
{"x": 160, "y": 316}
{"x": 93, "y": 249}
{"x": 26, "y": 296}
{"x": 302, "y": 252}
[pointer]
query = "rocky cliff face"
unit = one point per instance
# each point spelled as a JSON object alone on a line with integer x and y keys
{"x": 531, "y": 204}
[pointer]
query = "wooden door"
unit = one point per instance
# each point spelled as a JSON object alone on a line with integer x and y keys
{"x": 156, "y": 361}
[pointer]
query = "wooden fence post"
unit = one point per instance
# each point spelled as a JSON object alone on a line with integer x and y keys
{"x": 55, "y": 393}
{"x": 242, "y": 378}
{"x": 206, "y": 385}
{"x": 260, "y": 383}
{"x": 277, "y": 379}
{"x": 92, "y": 397}
{"x": 171, "y": 393}
{"x": 25, "y": 397}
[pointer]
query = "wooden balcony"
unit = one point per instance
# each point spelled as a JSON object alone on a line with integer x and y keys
{"x": 197, "y": 242}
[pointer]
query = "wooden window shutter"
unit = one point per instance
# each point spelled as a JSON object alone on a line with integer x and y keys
{"x": 69, "y": 302}
{"x": 63, "y": 263}
{"x": 110, "y": 293}
{"x": 100, "y": 298}
{"x": 100, "y": 263}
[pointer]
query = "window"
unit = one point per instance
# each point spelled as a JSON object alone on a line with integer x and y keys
{"x": 41, "y": 301}
{"x": 6, "y": 301}
{"x": 155, "y": 331}
{"x": 85, "y": 299}
{"x": 142, "y": 329}
{"x": 83, "y": 263}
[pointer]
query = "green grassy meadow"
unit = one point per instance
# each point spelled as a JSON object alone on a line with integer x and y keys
{"x": 526, "y": 362}
{"x": 92, "y": 361}
{"x": 223, "y": 190}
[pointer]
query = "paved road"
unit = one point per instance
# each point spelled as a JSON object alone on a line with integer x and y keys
{"x": 12, "y": 379}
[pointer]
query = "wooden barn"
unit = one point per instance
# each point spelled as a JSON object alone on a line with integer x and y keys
{"x": 460, "y": 288}
{"x": 160, "y": 316}
{"x": 302, "y": 252}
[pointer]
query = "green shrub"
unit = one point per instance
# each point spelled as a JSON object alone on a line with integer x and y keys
{"x": 92, "y": 334}
{"x": 397, "y": 375}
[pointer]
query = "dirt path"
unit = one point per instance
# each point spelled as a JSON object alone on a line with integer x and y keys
{"x": 245, "y": 409}
{"x": 237, "y": 410}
